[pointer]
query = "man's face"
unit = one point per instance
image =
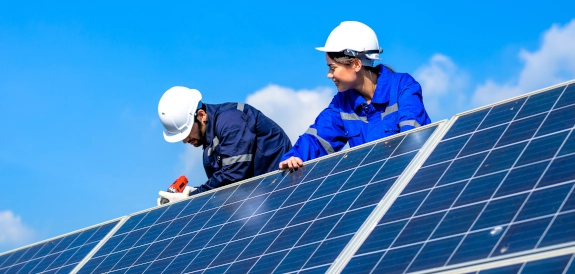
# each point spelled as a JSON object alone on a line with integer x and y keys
{"x": 198, "y": 133}
{"x": 196, "y": 137}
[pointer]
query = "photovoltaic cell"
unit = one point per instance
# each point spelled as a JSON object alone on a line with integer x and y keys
{"x": 284, "y": 222}
{"x": 498, "y": 183}
{"x": 58, "y": 255}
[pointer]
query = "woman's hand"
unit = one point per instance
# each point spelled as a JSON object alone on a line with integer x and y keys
{"x": 291, "y": 163}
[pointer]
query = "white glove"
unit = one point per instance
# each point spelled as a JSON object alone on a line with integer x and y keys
{"x": 174, "y": 197}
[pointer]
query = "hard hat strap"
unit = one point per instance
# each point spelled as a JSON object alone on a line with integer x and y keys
{"x": 354, "y": 53}
{"x": 367, "y": 62}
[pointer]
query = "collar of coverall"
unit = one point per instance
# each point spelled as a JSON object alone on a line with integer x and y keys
{"x": 380, "y": 95}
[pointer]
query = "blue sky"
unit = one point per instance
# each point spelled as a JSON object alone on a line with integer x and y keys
{"x": 79, "y": 84}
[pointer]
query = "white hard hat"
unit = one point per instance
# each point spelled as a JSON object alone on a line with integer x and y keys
{"x": 177, "y": 109}
{"x": 354, "y": 39}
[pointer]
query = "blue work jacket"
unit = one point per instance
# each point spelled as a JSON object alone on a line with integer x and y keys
{"x": 241, "y": 142}
{"x": 396, "y": 106}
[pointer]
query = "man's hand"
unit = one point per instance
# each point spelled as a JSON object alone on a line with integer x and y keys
{"x": 291, "y": 163}
{"x": 174, "y": 197}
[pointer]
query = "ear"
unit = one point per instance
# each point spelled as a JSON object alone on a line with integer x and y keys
{"x": 202, "y": 115}
{"x": 356, "y": 65}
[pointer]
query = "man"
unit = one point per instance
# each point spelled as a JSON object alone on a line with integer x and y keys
{"x": 239, "y": 141}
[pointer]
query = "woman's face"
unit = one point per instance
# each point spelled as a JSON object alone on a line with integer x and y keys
{"x": 343, "y": 76}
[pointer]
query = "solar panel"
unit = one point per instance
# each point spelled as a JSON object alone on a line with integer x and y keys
{"x": 280, "y": 222}
{"x": 57, "y": 255}
{"x": 499, "y": 183}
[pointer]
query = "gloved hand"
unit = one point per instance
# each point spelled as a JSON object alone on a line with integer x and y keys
{"x": 174, "y": 197}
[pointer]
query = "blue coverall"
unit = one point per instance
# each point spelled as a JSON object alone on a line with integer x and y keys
{"x": 396, "y": 106}
{"x": 241, "y": 143}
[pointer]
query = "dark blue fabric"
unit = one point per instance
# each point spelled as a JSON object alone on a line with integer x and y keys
{"x": 247, "y": 132}
{"x": 392, "y": 90}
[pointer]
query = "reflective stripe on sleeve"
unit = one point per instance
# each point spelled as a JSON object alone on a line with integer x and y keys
{"x": 236, "y": 159}
{"x": 241, "y": 107}
{"x": 412, "y": 123}
{"x": 325, "y": 144}
{"x": 352, "y": 116}
{"x": 389, "y": 110}
{"x": 215, "y": 142}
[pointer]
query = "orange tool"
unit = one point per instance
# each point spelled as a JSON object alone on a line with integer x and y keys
{"x": 177, "y": 187}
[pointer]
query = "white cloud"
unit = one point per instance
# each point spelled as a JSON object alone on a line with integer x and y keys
{"x": 441, "y": 82}
{"x": 12, "y": 231}
{"x": 552, "y": 63}
{"x": 293, "y": 110}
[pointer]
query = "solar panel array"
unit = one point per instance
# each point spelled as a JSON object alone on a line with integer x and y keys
{"x": 490, "y": 191}
{"x": 283, "y": 223}
{"x": 58, "y": 255}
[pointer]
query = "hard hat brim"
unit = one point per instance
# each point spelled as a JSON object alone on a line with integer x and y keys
{"x": 178, "y": 137}
{"x": 324, "y": 49}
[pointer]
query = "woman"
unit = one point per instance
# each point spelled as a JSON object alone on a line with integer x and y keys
{"x": 372, "y": 102}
